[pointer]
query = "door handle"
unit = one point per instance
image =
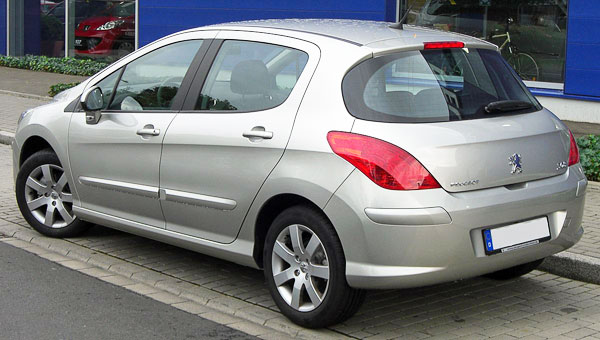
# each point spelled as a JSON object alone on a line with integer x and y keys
{"x": 148, "y": 130}
{"x": 257, "y": 133}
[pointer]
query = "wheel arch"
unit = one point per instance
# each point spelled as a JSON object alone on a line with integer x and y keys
{"x": 32, "y": 145}
{"x": 32, "y": 138}
{"x": 267, "y": 214}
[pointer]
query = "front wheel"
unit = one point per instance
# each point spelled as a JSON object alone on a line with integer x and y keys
{"x": 124, "y": 48}
{"x": 305, "y": 269}
{"x": 44, "y": 196}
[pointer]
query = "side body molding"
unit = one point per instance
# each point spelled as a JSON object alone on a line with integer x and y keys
{"x": 162, "y": 194}
{"x": 130, "y": 188}
{"x": 197, "y": 199}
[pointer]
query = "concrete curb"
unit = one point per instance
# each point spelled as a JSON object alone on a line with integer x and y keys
{"x": 573, "y": 266}
{"x": 6, "y": 137}
{"x": 195, "y": 299}
{"x": 25, "y": 95}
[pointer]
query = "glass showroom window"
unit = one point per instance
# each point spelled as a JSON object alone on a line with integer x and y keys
{"x": 101, "y": 28}
{"x": 531, "y": 34}
{"x": 96, "y": 28}
{"x": 36, "y": 27}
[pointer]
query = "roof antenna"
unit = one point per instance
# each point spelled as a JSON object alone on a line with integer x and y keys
{"x": 400, "y": 23}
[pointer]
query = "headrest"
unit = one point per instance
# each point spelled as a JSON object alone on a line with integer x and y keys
{"x": 250, "y": 77}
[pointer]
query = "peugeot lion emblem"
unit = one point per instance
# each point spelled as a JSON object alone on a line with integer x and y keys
{"x": 515, "y": 160}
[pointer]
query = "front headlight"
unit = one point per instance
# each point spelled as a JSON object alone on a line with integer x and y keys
{"x": 25, "y": 113}
{"x": 110, "y": 25}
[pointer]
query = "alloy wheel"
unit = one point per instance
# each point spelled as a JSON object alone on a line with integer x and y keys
{"x": 300, "y": 268}
{"x": 48, "y": 196}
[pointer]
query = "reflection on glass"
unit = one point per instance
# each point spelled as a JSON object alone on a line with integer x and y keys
{"x": 531, "y": 34}
{"x": 52, "y": 29}
{"x": 36, "y": 28}
{"x": 251, "y": 76}
{"x": 152, "y": 81}
{"x": 102, "y": 28}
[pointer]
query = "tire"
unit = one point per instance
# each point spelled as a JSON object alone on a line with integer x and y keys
{"x": 47, "y": 208}
{"x": 319, "y": 264}
{"x": 525, "y": 66}
{"x": 514, "y": 272}
{"x": 124, "y": 48}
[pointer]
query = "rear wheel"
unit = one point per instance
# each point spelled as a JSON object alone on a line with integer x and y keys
{"x": 305, "y": 269}
{"x": 44, "y": 196}
{"x": 525, "y": 66}
{"x": 514, "y": 272}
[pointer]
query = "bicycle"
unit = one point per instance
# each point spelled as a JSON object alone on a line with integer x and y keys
{"x": 523, "y": 63}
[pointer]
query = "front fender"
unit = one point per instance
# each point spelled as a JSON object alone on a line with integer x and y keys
{"x": 50, "y": 123}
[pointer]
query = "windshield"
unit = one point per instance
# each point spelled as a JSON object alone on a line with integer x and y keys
{"x": 435, "y": 86}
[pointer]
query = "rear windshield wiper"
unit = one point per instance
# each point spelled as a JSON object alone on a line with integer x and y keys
{"x": 507, "y": 105}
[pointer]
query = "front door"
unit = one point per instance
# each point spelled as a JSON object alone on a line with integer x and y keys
{"x": 115, "y": 163}
{"x": 218, "y": 152}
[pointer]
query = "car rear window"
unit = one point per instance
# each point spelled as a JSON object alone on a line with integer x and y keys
{"x": 435, "y": 86}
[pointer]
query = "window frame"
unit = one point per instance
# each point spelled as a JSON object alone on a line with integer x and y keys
{"x": 206, "y": 36}
{"x": 532, "y": 85}
{"x": 185, "y": 83}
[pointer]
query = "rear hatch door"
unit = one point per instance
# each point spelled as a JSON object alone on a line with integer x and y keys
{"x": 462, "y": 112}
{"x": 476, "y": 154}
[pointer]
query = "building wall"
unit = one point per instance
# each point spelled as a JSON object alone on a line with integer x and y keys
{"x": 158, "y": 18}
{"x": 3, "y": 27}
{"x": 582, "y": 69}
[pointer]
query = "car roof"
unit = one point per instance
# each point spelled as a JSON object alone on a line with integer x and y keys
{"x": 357, "y": 32}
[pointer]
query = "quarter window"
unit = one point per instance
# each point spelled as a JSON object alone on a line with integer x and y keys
{"x": 251, "y": 76}
{"x": 152, "y": 81}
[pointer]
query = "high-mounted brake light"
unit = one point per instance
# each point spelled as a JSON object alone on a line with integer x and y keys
{"x": 443, "y": 44}
{"x": 573, "y": 150}
{"x": 385, "y": 164}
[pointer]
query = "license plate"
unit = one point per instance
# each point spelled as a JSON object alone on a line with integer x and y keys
{"x": 516, "y": 236}
{"x": 77, "y": 42}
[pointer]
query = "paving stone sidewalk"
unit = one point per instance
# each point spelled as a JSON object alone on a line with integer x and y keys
{"x": 12, "y": 106}
{"x": 32, "y": 82}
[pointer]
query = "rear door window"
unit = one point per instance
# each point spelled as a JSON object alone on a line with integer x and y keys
{"x": 251, "y": 76}
{"x": 434, "y": 86}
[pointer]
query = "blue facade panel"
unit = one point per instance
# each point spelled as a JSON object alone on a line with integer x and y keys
{"x": 3, "y": 27}
{"x": 582, "y": 67}
{"x": 158, "y": 18}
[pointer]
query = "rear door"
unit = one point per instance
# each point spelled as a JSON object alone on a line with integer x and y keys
{"x": 232, "y": 132}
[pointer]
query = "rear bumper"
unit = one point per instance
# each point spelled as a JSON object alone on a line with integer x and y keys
{"x": 396, "y": 239}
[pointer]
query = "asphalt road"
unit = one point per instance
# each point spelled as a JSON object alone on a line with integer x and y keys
{"x": 40, "y": 299}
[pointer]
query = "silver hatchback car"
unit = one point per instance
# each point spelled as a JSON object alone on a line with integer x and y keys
{"x": 338, "y": 156}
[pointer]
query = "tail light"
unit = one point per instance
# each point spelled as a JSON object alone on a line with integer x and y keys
{"x": 443, "y": 44}
{"x": 573, "y": 151}
{"x": 385, "y": 164}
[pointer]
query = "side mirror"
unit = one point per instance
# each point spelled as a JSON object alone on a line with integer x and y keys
{"x": 92, "y": 102}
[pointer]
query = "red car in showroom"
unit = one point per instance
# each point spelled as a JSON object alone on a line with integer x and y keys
{"x": 112, "y": 33}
